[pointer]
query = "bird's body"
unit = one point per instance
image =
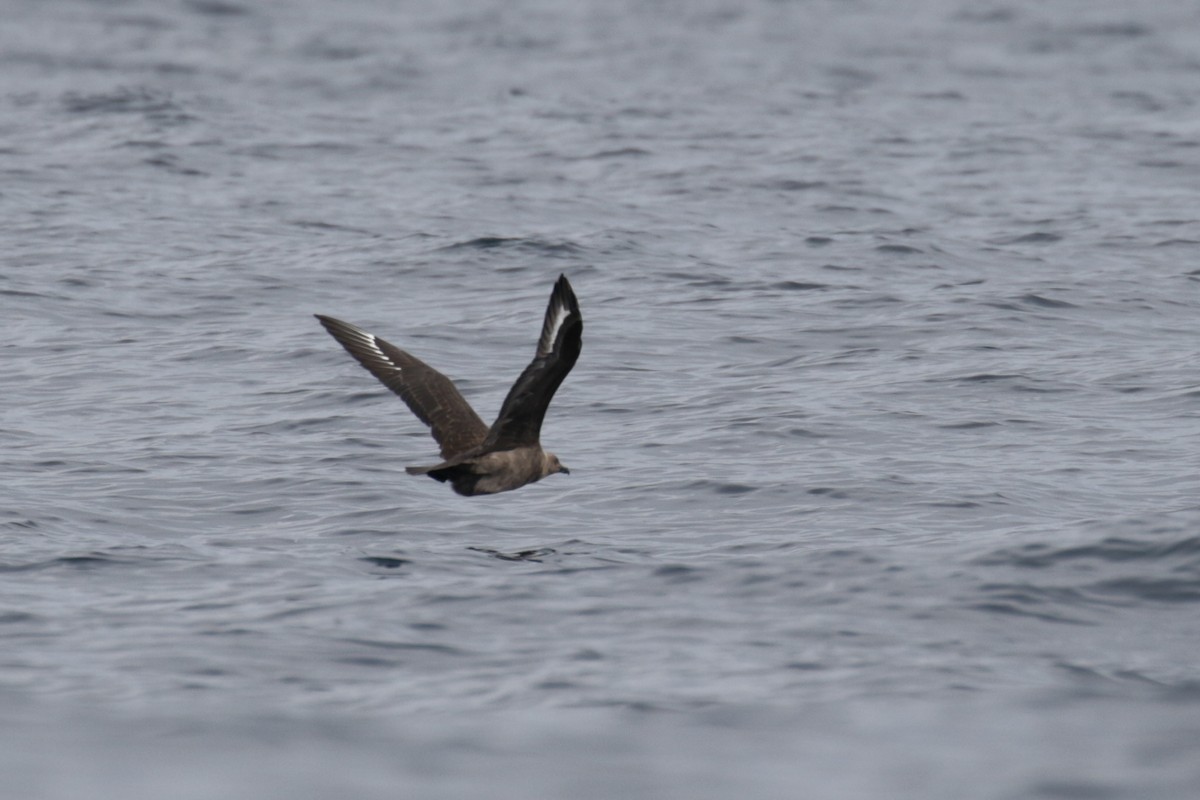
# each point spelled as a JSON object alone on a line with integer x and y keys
{"x": 478, "y": 459}
{"x": 497, "y": 471}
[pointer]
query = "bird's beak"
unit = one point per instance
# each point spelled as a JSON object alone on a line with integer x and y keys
{"x": 563, "y": 468}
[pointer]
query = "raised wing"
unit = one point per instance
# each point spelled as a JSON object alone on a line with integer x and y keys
{"x": 430, "y": 394}
{"x": 520, "y": 420}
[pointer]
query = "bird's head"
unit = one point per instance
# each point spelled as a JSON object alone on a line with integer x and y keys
{"x": 551, "y": 465}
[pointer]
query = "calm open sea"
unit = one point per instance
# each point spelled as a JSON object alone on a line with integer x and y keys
{"x": 885, "y": 439}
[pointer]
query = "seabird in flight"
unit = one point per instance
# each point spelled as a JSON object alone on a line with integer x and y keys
{"x": 477, "y": 459}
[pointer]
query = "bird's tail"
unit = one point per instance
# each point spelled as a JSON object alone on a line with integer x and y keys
{"x": 446, "y": 471}
{"x": 420, "y": 470}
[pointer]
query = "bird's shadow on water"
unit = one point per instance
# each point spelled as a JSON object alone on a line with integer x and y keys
{"x": 571, "y": 555}
{"x": 536, "y": 554}
{"x": 387, "y": 562}
{"x": 565, "y": 555}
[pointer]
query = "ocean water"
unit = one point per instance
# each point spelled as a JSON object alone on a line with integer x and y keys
{"x": 884, "y": 440}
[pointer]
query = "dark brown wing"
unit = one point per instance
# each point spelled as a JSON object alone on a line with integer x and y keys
{"x": 430, "y": 394}
{"x": 520, "y": 420}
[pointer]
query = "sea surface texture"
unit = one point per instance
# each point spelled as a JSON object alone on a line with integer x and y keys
{"x": 884, "y": 442}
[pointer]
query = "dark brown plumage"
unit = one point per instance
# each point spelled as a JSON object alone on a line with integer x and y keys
{"x": 477, "y": 459}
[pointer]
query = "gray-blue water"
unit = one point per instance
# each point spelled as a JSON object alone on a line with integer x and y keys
{"x": 884, "y": 439}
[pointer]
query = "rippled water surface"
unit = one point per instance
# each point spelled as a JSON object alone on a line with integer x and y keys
{"x": 883, "y": 440}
